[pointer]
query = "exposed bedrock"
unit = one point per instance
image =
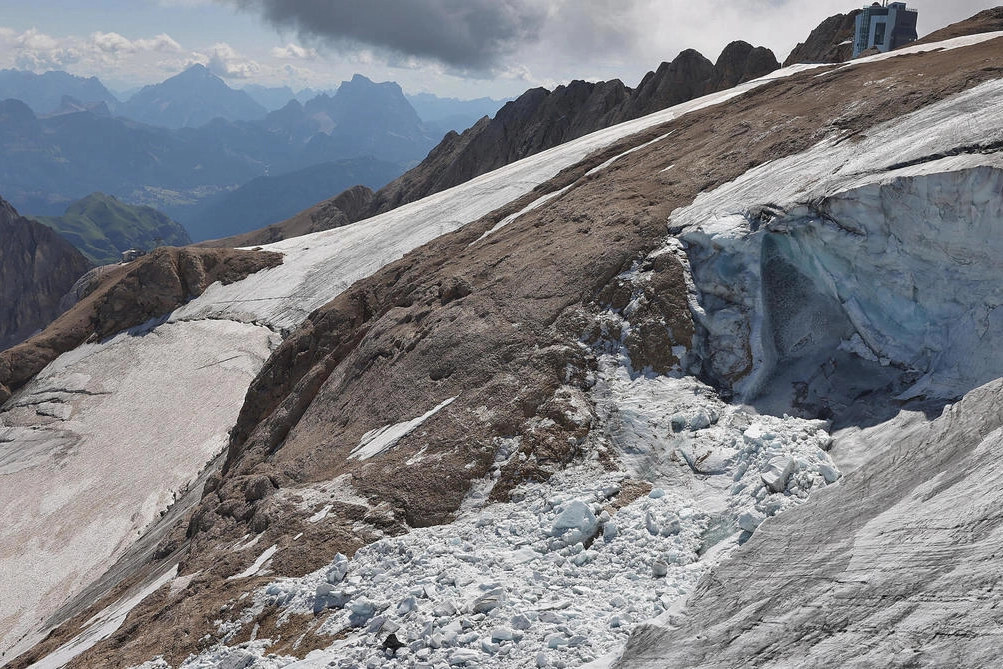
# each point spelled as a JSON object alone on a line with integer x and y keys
{"x": 890, "y": 288}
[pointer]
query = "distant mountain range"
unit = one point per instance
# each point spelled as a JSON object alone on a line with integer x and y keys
{"x": 270, "y": 97}
{"x": 102, "y": 227}
{"x": 267, "y": 200}
{"x": 190, "y": 100}
{"x": 450, "y": 114}
{"x": 179, "y": 143}
{"x": 54, "y": 160}
{"x": 44, "y": 92}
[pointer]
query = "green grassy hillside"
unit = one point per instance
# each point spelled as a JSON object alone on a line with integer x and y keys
{"x": 101, "y": 227}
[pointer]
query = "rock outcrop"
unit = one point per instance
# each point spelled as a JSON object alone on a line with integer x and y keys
{"x": 990, "y": 20}
{"x": 125, "y": 297}
{"x": 37, "y": 268}
{"x": 830, "y": 42}
{"x": 741, "y": 62}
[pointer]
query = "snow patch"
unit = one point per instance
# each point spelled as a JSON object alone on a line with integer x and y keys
{"x": 256, "y": 568}
{"x": 383, "y": 439}
{"x": 101, "y": 626}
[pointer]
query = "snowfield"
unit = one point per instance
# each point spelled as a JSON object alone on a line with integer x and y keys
{"x": 99, "y": 443}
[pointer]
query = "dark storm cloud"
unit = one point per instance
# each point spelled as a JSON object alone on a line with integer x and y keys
{"x": 465, "y": 34}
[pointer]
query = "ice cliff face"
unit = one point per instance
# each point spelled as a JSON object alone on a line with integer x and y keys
{"x": 880, "y": 273}
{"x": 831, "y": 282}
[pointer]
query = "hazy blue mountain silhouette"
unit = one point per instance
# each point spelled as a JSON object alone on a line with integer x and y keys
{"x": 44, "y": 92}
{"x": 190, "y": 100}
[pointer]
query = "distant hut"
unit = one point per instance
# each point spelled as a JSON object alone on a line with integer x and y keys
{"x": 884, "y": 27}
{"x": 132, "y": 254}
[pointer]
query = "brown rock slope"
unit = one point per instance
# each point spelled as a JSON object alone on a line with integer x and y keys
{"x": 830, "y": 42}
{"x": 127, "y": 296}
{"x": 991, "y": 20}
{"x": 496, "y": 324}
{"x": 349, "y": 206}
{"x": 37, "y": 268}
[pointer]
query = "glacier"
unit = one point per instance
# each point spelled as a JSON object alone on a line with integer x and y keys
{"x": 224, "y": 322}
{"x": 799, "y": 272}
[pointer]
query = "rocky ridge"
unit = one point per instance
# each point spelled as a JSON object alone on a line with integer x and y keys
{"x": 125, "y": 297}
{"x": 830, "y": 42}
{"x": 37, "y": 268}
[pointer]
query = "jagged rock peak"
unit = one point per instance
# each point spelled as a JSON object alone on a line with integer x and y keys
{"x": 830, "y": 42}
{"x": 741, "y": 62}
{"x": 691, "y": 75}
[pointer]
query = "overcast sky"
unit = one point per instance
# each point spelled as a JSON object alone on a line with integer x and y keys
{"x": 459, "y": 48}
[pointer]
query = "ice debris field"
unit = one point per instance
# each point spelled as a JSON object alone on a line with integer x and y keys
{"x": 561, "y": 577}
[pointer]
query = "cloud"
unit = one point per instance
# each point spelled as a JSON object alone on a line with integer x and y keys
{"x": 483, "y": 39}
{"x": 37, "y": 51}
{"x": 224, "y": 61}
{"x": 113, "y": 43}
{"x": 294, "y": 52}
{"x": 464, "y": 34}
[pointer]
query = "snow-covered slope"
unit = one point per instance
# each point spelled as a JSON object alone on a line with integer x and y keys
{"x": 99, "y": 444}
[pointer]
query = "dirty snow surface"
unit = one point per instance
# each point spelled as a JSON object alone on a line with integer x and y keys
{"x": 97, "y": 445}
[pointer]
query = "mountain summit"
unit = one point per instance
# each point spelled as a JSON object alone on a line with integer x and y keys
{"x": 190, "y": 100}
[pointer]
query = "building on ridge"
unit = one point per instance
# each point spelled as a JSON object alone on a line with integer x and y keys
{"x": 885, "y": 26}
